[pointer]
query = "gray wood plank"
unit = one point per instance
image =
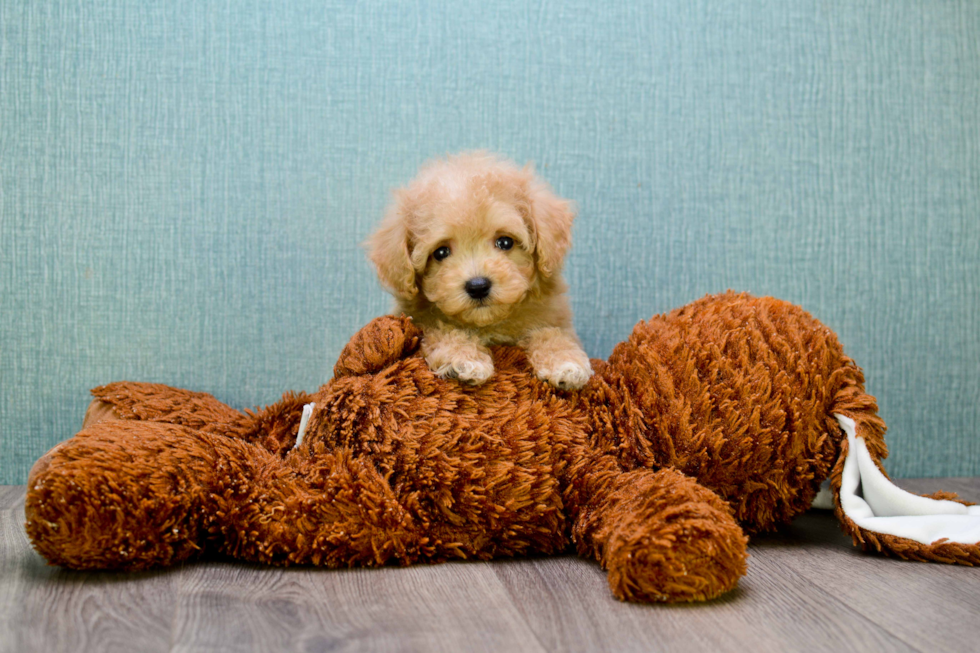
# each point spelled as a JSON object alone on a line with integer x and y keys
{"x": 11, "y": 496}
{"x": 452, "y": 607}
{"x": 927, "y": 606}
{"x": 45, "y": 608}
{"x": 789, "y": 614}
{"x": 15, "y": 563}
{"x": 567, "y": 601}
{"x": 78, "y": 611}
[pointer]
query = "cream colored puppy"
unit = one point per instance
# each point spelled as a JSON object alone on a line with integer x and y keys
{"x": 472, "y": 250}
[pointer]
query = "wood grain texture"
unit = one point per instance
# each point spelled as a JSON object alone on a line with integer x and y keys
{"x": 231, "y": 607}
{"x": 807, "y": 589}
{"x": 11, "y": 496}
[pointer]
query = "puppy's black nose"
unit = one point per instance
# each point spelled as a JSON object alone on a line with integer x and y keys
{"x": 478, "y": 287}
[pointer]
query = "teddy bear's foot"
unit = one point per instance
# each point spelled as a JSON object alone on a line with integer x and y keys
{"x": 664, "y": 537}
{"x": 111, "y": 498}
{"x": 134, "y": 495}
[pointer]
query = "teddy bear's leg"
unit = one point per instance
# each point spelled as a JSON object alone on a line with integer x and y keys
{"x": 660, "y": 535}
{"x": 133, "y": 495}
{"x": 121, "y": 495}
{"x": 333, "y": 509}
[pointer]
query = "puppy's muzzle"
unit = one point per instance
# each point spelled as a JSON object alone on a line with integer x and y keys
{"x": 478, "y": 287}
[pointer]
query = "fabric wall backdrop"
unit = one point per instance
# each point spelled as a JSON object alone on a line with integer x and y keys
{"x": 184, "y": 185}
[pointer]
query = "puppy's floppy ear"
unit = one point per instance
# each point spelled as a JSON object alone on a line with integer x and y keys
{"x": 550, "y": 221}
{"x": 389, "y": 248}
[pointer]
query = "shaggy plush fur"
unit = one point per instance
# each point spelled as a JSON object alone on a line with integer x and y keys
{"x": 475, "y": 218}
{"x": 714, "y": 418}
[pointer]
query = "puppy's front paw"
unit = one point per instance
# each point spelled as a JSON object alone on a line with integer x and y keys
{"x": 474, "y": 367}
{"x": 570, "y": 372}
{"x": 557, "y": 358}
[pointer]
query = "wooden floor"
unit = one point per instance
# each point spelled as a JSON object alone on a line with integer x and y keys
{"x": 807, "y": 590}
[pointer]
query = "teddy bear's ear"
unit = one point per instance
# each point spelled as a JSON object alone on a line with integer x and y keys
{"x": 550, "y": 221}
{"x": 390, "y": 250}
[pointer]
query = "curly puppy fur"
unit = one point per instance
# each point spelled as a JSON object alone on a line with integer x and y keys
{"x": 472, "y": 250}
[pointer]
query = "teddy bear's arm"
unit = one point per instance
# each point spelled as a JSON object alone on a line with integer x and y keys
{"x": 273, "y": 427}
{"x": 155, "y": 402}
{"x": 382, "y": 341}
{"x": 660, "y": 534}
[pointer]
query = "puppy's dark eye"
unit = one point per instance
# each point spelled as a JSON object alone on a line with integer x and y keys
{"x": 505, "y": 242}
{"x": 441, "y": 253}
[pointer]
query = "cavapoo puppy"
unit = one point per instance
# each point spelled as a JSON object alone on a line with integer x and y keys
{"x": 472, "y": 250}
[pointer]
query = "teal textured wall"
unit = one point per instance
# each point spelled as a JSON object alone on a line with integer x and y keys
{"x": 183, "y": 185}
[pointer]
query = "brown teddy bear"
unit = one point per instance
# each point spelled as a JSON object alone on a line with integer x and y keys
{"x": 720, "y": 418}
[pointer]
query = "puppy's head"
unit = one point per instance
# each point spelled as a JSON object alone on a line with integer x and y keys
{"x": 472, "y": 235}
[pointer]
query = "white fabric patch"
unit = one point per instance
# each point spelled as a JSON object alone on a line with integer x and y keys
{"x": 303, "y": 421}
{"x": 875, "y": 504}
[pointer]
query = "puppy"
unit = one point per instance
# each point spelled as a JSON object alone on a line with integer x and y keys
{"x": 472, "y": 250}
